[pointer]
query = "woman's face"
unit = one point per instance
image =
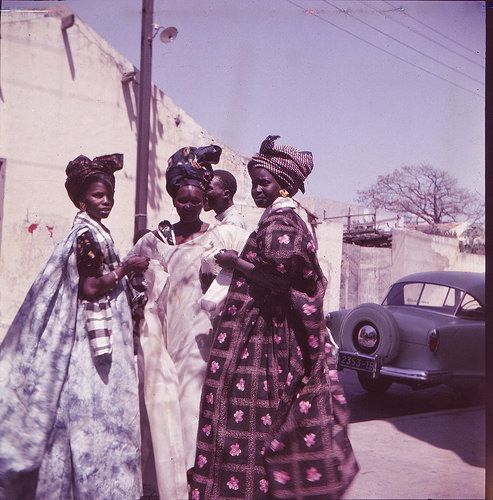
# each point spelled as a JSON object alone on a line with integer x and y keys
{"x": 98, "y": 200}
{"x": 189, "y": 201}
{"x": 265, "y": 188}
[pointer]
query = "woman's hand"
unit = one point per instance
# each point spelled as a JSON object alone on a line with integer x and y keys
{"x": 227, "y": 258}
{"x": 136, "y": 263}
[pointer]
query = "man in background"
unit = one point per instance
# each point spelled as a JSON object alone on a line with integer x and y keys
{"x": 219, "y": 197}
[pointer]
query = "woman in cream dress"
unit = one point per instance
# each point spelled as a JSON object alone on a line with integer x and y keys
{"x": 175, "y": 334}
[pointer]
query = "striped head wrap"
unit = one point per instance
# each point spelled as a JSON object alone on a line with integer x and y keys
{"x": 191, "y": 166}
{"x": 81, "y": 171}
{"x": 289, "y": 166}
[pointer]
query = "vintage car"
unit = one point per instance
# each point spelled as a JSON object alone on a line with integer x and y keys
{"x": 429, "y": 330}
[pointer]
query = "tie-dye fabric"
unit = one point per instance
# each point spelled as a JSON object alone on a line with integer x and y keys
{"x": 273, "y": 418}
{"x": 69, "y": 424}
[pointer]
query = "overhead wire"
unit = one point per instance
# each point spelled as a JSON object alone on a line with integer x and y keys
{"x": 393, "y": 38}
{"x": 385, "y": 13}
{"x": 350, "y": 33}
{"x": 432, "y": 29}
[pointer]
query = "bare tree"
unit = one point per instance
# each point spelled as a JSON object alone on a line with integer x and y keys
{"x": 424, "y": 191}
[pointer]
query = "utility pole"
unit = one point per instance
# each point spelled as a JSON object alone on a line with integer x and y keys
{"x": 143, "y": 118}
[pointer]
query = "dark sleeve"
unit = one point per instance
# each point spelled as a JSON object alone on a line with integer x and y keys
{"x": 285, "y": 253}
{"x": 89, "y": 256}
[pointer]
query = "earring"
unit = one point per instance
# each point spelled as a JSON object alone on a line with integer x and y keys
{"x": 284, "y": 193}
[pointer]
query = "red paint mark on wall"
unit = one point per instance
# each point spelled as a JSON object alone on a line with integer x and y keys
{"x": 50, "y": 230}
{"x": 32, "y": 228}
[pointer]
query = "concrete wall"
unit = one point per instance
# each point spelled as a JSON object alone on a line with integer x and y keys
{"x": 414, "y": 251}
{"x": 61, "y": 95}
{"x": 365, "y": 274}
{"x": 329, "y": 238}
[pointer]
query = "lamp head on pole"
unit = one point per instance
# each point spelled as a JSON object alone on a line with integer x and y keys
{"x": 167, "y": 35}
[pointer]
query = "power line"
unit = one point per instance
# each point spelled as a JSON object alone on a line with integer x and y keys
{"x": 384, "y": 13}
{"x": 433, "y": 29}
{"x": 437, "y": 61}
{"x": 315, "y": 14}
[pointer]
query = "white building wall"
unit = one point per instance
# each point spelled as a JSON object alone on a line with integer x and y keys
{"x": 61, "y": 95}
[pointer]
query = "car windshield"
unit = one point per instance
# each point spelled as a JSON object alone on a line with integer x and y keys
{"x": 439, "y": 298}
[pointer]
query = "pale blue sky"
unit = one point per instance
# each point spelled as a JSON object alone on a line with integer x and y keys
{"x": 349, "y": 80}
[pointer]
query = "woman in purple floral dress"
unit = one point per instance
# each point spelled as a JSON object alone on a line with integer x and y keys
{"x": 273, "y": 421}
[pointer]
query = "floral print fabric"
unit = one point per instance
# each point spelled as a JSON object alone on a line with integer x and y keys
{"x": 90, "y": 258}
{"x": 273, "y": 420}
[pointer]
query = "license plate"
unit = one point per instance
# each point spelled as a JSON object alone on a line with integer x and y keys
{"x": 356, "y": 362}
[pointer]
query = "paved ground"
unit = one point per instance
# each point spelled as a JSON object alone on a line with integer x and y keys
{"x": 438, "y": 455}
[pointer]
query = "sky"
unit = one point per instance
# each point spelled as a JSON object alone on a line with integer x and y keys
{"x": 367, "y": 86}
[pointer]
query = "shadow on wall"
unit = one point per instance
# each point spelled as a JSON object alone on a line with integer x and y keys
{"x": 68, "y": 51}
{"x": 129, "y": 89}
{"x": 156, "y": 176}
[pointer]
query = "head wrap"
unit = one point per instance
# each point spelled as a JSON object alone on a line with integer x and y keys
{"x": 82, "y": 170}
{"x": 287, "y": 165}
{"x": 191, "y": 166}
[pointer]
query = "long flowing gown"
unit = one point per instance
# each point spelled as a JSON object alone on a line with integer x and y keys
{"x": 69, "y": 422}
{"x": 175, "y": 344}
{"x": 273, "y": 418}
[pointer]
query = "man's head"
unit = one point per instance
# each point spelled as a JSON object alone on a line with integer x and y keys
{"x": 220, "y": 193}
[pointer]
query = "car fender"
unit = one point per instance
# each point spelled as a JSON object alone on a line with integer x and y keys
{"x": 334, "y": 320}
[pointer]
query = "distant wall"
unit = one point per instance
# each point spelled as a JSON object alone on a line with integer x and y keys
{"x": 365, "y": 274}
{"x": 329, "y": 237}
{"x": 414, "y": 251}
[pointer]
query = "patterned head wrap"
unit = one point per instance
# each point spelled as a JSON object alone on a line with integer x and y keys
{"x": 82, "y": 170}
{"x": 289, "y": 166}
{"x": 191, "y": 166}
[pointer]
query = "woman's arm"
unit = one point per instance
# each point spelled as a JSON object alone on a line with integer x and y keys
{"x": 92, "y": 287}
{"x": 229, "y": 259}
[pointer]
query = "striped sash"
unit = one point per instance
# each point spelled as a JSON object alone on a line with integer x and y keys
{"x": 98, "y": 312}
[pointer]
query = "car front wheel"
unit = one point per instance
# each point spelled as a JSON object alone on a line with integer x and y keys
{"x": 373, "y": 385}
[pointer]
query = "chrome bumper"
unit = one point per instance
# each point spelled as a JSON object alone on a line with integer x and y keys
{"x": 417, "y": 375}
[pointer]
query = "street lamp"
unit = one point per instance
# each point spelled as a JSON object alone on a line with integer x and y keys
{"x": 148, "y": 32}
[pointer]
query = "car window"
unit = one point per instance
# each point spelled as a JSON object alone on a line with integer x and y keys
{"x": 440, "y": 298}
{"x": 412, "y": 292}
{"x": 470, "y": 308}
{"x": 434, "y": 295}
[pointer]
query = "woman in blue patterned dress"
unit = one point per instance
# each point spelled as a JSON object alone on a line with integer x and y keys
{"x": 69, "y": 410}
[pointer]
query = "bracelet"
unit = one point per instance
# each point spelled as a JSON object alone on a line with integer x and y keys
{"x": 115, "y": 275}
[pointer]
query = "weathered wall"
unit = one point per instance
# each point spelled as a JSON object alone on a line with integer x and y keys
{"x": 61, "y": 96}
{"x": 365, "y": 274}
{"x": 414, "y": 251}
{"x": 469, "y": 262}
{"x": 329, "y": 238}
